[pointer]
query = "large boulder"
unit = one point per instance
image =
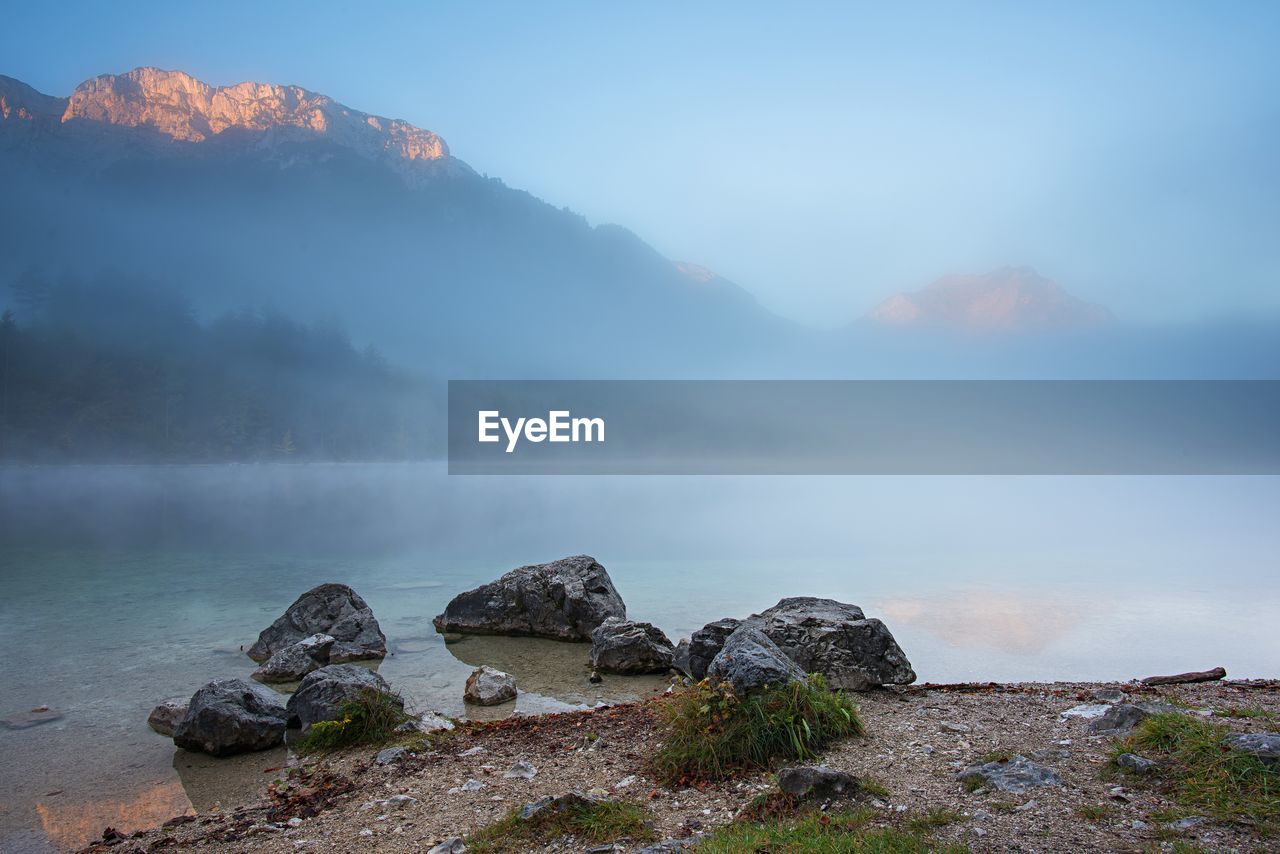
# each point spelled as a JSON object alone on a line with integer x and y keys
{"x": 565, "y": 599}
{"x": 694, "y": 655}
{"x": 230, "y": 716}
{"x": 330, "y": 609}
{"x": 296, "y": 660}
{"x": 749, "y": 661}
{"x": 323, "y": 691}
{"x": 837, "y": 640}
{"x": 628, "y": 646}
{"x": 487, "y": 686}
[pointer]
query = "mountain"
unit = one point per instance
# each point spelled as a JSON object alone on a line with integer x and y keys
{"x": 266, "y": 195}
{"x": 1010, "y": 299}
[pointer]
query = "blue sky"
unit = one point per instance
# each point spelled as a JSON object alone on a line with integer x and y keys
{"x": 822, "y": 155}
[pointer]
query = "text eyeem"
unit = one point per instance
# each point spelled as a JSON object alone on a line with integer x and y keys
{"x": 558, "y": 426}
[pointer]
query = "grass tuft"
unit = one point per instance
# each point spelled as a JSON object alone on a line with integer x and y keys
{"x": 932, "y": 820}
{"x": 369, "y": 718}
{"x": 588, "y": 822}
{"x": 1094, "y": 812}
{"x": 712, "y": 734}
{"x": 820, "y": 833}
{"x": 1203, "y": 775}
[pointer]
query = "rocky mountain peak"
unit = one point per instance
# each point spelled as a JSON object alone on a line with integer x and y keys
{"x": 1009, "y": 298}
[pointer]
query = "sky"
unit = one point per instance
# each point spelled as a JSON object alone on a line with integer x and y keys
{"x": 821, "y": 155}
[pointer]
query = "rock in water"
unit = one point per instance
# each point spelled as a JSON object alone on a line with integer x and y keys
{"x": 837, "y": 640}
{"x": 749, "y": 661}
{"x": 1016, "y": 776}
{"x": 819, "y": 781}
{"x": 565, "y": 599}
{"x": 627, "y": 646}
{"x": 703, "y": 645}
{"x": 487, "y": 686}
{"x": 165, "y": 717}
{"x": 324, "y": 690}
{"x": 230, "y": 716}
{"x": 330, "y": 609}
{"x": 296, "y": 660}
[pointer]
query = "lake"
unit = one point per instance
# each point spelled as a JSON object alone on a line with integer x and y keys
{"x": 126, "y": 585}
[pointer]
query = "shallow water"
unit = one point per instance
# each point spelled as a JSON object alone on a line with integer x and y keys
{"x": 127, "y": 585}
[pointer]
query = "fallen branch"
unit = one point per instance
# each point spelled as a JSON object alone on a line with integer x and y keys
{"x": 1182, "y": 678}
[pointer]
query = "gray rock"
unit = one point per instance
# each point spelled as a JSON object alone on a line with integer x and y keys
{"x": 565, "y": 599}
{"x": 1119, "y": 720}
{"x": 1016, "y": 776}
{"x": 520, "y": 771}
{"x": 558, "y": 804}
{"x": 817, "y": 781}
{"x": 704, "y": 645}
{"x": 391, "y": 755}
{"x": 230, "y": 716}
{"x": 487, "y": 686}
{"x": 1188, "y": 823}
{"x": 31, "y": 717}
{"x": 1264, "y": 745}
{"x": 629, "y": 646}
{"x": 322, "y": 692}
{"x": 1110, "y": 695}
{"x": 331, "y": 609}
{"x": 1136, "y": 764}
{"x": 667, "y": 846}
{"x": 837, "y": 640}
{"x": 749, "y": 661}
{"x": 452, "y": 845}
{"x": 296, "y": 660}
{"x": 165, "y": 717}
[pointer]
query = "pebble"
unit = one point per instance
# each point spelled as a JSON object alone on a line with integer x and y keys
{"x": 625, "y": 781}
{"x": 948, "y": 726}
{"x": 1139, "y": 824}
{"x": 520, "y": 771}
{"x": 294, "y": 822}
{"x": 366, "y": 832}
{"x": 401, "y": 801}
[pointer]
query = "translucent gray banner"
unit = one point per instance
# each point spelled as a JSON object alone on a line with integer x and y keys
{"x": 864, "y": 427}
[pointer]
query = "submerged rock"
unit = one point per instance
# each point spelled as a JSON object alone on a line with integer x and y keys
{"x": 564, "y": 599}
{"x": 750, "y": 661}
{"x": 296, "y": 660}
{"x": 330, "y": 609}
{"x": 818, "y": 781}
{"x": 1016, "y": 776}
{"x": 33, "y": 717}
{"x": 824, "y": 636}
{"x": 703, "y": 645}
{"x": 165, "y": 717}
{"x": 488, "y": 686}
{"x": 629, "y": 646}
{"x": 323, "y": 691}
{"x": 229, "y": 716}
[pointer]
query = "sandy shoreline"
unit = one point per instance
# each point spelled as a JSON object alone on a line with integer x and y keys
{"x": 917, "y": 739}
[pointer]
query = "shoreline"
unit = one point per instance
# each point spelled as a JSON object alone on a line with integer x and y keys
{"x": 917, "y": 739}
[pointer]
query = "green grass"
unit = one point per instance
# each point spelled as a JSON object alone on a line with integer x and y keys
{"x": 1203, "y": 776}
{"x": 590, "y": 823}
{"x": 974, "y": 783}
{"x": 369, "y": 718}
{"x": 932, "y": 820}
{"x": 1094, "y": 812}
{"x": 997, "y": 756}
{"x": 711, "y": 734}
{"x": 873, "y": 787}
{"x": 1241, "y": 712}
{"x": 820, "y": 833}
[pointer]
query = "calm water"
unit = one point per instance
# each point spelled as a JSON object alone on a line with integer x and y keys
{"x": 124, "y": 586}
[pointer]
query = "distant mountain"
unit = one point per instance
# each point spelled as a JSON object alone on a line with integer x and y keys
{"x": 266, "y": 195}
{"x": 1007, "y": 299}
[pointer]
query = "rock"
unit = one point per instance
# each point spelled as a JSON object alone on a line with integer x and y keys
{"x": 818, "y": 781}
{"x": 324, "y": 690}
{"x": 749, "y": 661}
{"x": 330, "y": 609}
{"x": 469, "y": 786}
{"x": 1119, "y": 720}
{"x": 565, "y": 600}
{"x": 595, "y": 678}
{"x": 34, "y": 717}
{"x": 629, "y": 646}
{"x": 1110, "y": 695}
{"x": 558, "y": 804}
{"x": 401, "y": 801}
{"x": 487, "y": 686}
{"x": 1016, "y": 776}
{"x": 391, "y": 755}
{"x": 426, "y": 722}
{"x": 452, "y": 845}
{"x": 1188, "y": 823}
{"x": 949, "y": 726}
{"x": 230, "y": 716}
{"x": 520, "y": 771}
{"x": 1136, "y": 764}
{"x": 667, "y": 846}
{"x": 1088, "y": 711}
{"x": 829, "y": 637}
{"x": 703, "y": 646}
{"x": 1263, "y": 745}
{"x": 165, "y": 717}
{"x": 296, "y": 660}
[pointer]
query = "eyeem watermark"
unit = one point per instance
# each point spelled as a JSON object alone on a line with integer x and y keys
{"x": 558, "y": 426}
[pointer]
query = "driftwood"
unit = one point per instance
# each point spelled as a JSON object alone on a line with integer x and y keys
{"x": 1181, "y": 678}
